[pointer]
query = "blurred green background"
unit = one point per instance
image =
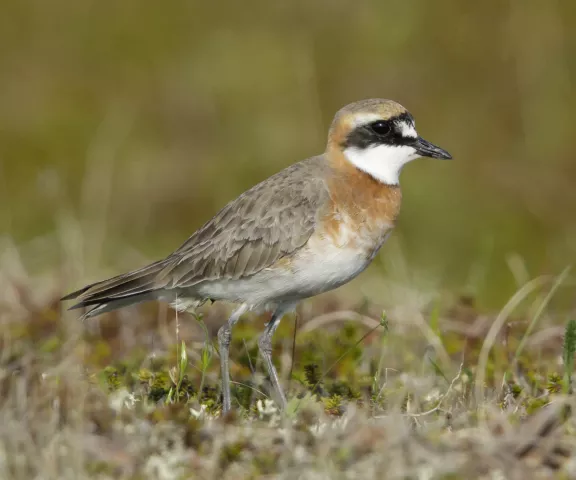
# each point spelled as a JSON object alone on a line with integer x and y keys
{"x": 132, "y": 122}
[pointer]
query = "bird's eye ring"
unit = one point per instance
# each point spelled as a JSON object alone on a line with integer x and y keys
{"x": 380, "y": 127}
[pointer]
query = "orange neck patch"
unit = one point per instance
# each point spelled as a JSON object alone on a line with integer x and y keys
{"x": 361, "y": 199}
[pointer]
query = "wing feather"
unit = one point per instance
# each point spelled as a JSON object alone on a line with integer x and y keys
{"x": 268, "y": 222}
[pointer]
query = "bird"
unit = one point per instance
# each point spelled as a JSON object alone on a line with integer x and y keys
{"x": 308, "y": 229}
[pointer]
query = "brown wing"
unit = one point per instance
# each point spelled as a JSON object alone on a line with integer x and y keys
{"x": 270, "y": 221}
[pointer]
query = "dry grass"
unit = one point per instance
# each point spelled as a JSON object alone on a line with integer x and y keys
{"x": 434, "y": 390}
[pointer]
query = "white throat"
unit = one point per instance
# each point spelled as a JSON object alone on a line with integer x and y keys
{"x": 383, "y": 162}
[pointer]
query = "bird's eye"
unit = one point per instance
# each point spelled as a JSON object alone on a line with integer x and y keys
{"x": 380, "y": 127}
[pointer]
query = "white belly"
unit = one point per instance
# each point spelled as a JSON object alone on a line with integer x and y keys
{"x": 317, "y": 268}
{"x": 335, "y": 267}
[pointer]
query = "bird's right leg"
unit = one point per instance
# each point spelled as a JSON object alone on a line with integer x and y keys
{"x": 224, "y": 338}
{"x": 265, "y": 345}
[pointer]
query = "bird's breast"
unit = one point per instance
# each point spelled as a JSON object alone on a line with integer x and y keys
{"x": 332, "y": 258}
{"x": 359, "y": 234}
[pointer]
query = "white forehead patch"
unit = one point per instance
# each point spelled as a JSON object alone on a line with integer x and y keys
{"x": 361, "y": 119}
{"x": 383, "y": 162}
{"x": 407, "y": 130}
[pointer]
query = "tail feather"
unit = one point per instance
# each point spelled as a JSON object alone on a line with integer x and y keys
{"x": 77, "y": 293}
{"x": 129, "y": 288}
{"x": 119, "y": 291}
{"x": 114, "y": 298}
{"x": 100, "y": 308}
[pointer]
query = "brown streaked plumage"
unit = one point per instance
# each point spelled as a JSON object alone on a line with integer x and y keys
{"x": 310, "y": 228}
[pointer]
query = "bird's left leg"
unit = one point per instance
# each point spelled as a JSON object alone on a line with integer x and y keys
{"x": 265, "y": 346}
{"x": 224, "y": 339}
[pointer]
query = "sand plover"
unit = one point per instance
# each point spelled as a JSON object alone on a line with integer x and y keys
{"x": 308, "y": 229}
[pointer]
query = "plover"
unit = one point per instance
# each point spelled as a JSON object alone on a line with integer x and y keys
{"x": 308, "y": 229}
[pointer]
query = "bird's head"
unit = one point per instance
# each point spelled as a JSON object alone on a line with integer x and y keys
{"x": 379, "y": 137}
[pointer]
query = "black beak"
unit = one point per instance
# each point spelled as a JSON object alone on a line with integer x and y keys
{"x": 427, "y": 149}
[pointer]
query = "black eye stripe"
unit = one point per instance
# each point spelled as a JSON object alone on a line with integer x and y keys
{"x": 380, "y": 132}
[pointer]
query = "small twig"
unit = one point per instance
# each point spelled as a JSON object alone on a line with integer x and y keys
{"x": 385, "y": 381}
{"x": 442, "y": 398}
{"x": 250, "y": 387}
{"x": 249, "y": 358}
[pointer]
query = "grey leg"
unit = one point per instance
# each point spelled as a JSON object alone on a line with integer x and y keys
{"x": 224, "y": 338}
{"x": 265, "y": 345}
